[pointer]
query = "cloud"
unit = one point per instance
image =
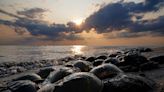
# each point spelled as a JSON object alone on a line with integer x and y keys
{"x": 32, "y": 13}
{"x": 9, "y": 14}
{"x": 127, "y": 16}
{"x": 39, "y": 28}
{"x": 114, "y": 20}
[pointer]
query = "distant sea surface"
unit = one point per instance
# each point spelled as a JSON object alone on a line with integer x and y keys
{"x": 35, "y": 53}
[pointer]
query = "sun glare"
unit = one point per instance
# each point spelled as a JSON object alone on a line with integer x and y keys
{"x": 77, "y": 49}
{"x": 78, "y": 21}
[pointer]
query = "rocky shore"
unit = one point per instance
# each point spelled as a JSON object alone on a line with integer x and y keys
{"x": 127, "y": 70}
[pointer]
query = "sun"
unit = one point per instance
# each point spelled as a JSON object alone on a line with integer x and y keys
{"x": 78, "y": 22}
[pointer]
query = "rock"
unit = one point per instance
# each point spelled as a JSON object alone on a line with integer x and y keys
{"x": 101, "y": 57}
{"x": 129, "y": 83}
{"x": 111, "y": 60}
{"x": 112, "y": 55}
{"x": 30, "y": 76}
{"x": 47, "y": 88}
{"x": 134, "y": 59}
{"x": 84, "y": 66}
{"x": 149, "y": 66}
{"x": 22, "y": 86}
{"x": 79, "y": 82}
{"x": 159, "y": 59}
{"x": 106, "y": 71}
{"x": 91, "y": 59}
{"x": 144, "y": 49}
{"x": 129, "y": 68}
{"x": 44, "y": 72}
{"x": 98, "y": 62}
{"x": 58, "y": 74}
{"x": 115, "y": 54}
{"x": 17, "y": 69}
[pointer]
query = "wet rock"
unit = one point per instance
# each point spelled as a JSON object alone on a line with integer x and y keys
{"x": 129, "y": 83}
{"x": 98, "y": 62}
{"x": 58, "y": 74}
{"x": 90, "y": 59}
{"x": 67, "y": 59}
{"x": 22, "y": 86}
{"x": 84, "y": 66}
{"x": 112, "y": 55}
{"x": 149, "y": 66}
{"x": 144, "y": 49}
{"x": 111, "y": 60}
{"x": 129, "y": 68}
{"x": 159, "y": 59}
{"x": 44, "y": 72}
{"x": 134, "y": 59}
{"x": 106, "y": 71}
{"x": 79, "y": 82}
{"x": 30, "y": 76}
{"x": 101, "y": 57}
{"x": 47, "y": 88}
{"x": 16, "y": 69}
{"x": 120, "y": 58}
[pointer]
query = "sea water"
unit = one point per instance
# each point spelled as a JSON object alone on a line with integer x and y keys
{"x": 35, "y": 53}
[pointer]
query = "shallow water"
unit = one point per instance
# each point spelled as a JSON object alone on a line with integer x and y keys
{"x": 35, "y": 53}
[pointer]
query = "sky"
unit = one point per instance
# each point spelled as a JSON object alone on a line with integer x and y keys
{"x": 82, "y": 22}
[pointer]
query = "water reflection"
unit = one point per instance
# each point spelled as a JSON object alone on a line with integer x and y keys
{"x": 77, "y": 49}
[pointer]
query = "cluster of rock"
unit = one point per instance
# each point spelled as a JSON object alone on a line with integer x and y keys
{"x": 103, "y": 73}
{"x": 10, "y": 68}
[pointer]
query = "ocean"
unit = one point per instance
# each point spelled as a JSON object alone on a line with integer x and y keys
{"x": 17, "y": 61}
{"x": 35, "y": 53}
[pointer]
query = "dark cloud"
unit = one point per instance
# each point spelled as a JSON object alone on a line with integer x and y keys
{"x": 118, "y": 16}
{"x": 109, "y": 17}
{"x": 146, "y": 6}
{"x": 32, "y": 13}
{"x": 112, "y": 17}
{"x": 41, "y": 28}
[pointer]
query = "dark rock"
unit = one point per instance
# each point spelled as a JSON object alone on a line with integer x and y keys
{"x": 101, "y": 57}
{"x": 47, "y": 88}
{"x": 120, "y": 58}
{"x": 98, "y": 62}
{"x": 30, "y": 76}
{"x": 159, "y": 59}
{"x": 84, "y": 66}
{"x": 129, "y": 68}
{"x": 22, "y": 86}
{"x": 144, "y": 49}
{"x": 129, "y": 83}
{"x": 111, "y": 60}
{"x": 149, "y": 66}
{"x": 91, "y": 59}
{"x": 115, "y": 54}
{"x": 58, "y": 74}
{"x": 44, "y": 72}
{"x": 112, "y": 55}
{"x": 134, "y": 59}
{"x": 79, "y": 82}
{"x": 106, "y": 71}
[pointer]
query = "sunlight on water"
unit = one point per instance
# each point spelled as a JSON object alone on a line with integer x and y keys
{"x": 77, "y": 49}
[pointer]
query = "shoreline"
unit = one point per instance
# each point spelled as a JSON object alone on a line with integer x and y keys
{"x": 11, "y": 70}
